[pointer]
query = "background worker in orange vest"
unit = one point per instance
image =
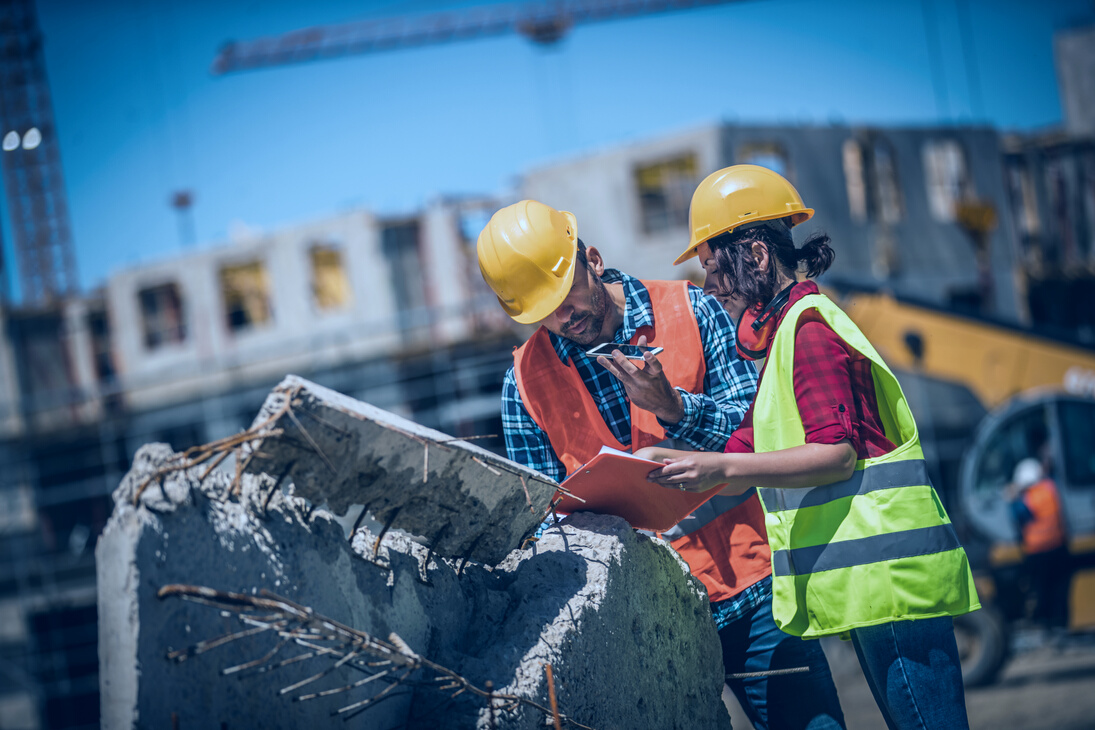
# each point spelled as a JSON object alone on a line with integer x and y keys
{"x": 1036, "y": 509}
{"x": 560, "y": 406}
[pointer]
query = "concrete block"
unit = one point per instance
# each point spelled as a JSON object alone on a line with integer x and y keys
{"x": 627, "y": 630}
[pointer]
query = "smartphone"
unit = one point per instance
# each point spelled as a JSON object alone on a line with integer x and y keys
{"x": 631, "y": 352}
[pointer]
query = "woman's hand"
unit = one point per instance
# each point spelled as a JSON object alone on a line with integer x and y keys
{"x": 695, "y": 472}
{"x": 659, "y": 453}
{"x": 809, "y": 465}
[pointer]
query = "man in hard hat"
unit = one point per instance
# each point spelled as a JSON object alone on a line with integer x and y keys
{"x": 560, "y": 406}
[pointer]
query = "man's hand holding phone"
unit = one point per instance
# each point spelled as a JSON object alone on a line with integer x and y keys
{"x": 631, "y": 352}
{"x": 647, "y": 387}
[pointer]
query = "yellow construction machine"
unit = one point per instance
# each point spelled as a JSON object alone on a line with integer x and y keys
{"x": 987, "y": 395}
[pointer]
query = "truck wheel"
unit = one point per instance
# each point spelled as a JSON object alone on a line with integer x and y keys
{"x": 982, "y": 638}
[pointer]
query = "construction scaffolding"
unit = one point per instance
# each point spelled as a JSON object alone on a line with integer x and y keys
{"x": 31, "y": 160}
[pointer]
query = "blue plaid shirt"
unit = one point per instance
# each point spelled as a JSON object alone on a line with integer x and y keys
{"x": 730, "y": 610}
{"x": 709, "y": 417}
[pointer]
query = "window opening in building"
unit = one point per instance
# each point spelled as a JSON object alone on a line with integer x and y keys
{"x": 854, "y": 180}
{"x": 330, "y": 285}
{"x": 46, "y": 374}
{"x": 887, "y": 191}
{"x": 1060, "y": 197}
{"x": 766, "y": 154}
{"x": 870, "y": 177}
{"x": 947, "y": 178}
{"x": 245, "y": 289}
{"x": 98, "y": 325}
{"x": 1024, "y": 204}
{"x": 162, "y": 317}
{"x": 401, "y": 244}
{"x": 665, "y": 192}
{"x": 1087, "y": 206}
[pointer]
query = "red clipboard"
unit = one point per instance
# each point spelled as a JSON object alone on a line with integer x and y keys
{"x": 614, "y": 483}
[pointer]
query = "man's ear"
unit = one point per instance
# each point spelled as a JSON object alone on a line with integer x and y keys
{"x": 760, "y": 255}
{"x": 593, "y": 256}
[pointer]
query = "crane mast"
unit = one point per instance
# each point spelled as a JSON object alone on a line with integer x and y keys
{"x": 31, "y": 161}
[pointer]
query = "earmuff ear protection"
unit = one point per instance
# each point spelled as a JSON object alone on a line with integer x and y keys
{"x": 757, "y": 324}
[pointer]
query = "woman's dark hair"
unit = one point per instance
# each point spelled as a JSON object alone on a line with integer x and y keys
{"x": 737, "y": 269}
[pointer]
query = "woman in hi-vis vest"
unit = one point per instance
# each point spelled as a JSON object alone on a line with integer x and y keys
{"x": 861, "y": 545}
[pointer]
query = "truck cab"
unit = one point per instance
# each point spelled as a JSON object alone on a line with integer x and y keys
{"x": 1059, "y": 429}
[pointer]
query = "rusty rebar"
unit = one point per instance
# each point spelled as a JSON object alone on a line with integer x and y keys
{"x": 277, "y": 485}
{"x": 337, "y": 690}
{"x": 551, "y": 696}
{"x": 311, "y": 441}
{"x": 294, "y": 622}
{"x": 489, "y": 686}
{"x": 223, "y": 446}
{"x": 384, "y": 530}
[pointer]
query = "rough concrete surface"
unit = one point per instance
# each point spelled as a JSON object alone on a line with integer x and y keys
{"x": 464, "y": 500}
{"x": 626, "y": 629}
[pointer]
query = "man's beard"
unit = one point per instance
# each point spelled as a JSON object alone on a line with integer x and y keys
{"x": 594, "y": 320}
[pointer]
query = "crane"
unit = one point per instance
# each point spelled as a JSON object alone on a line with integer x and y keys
{"x": 30, "y": 156}
{"x": 542, "y": 23}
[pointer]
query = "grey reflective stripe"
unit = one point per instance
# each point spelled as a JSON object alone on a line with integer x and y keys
{"x": 704, "y": 515}
{"x": 888, "y": 475}
{"x": 873, "y": 549}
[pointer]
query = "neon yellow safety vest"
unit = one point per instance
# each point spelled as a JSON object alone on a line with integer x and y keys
{"x": 875, "y": 548}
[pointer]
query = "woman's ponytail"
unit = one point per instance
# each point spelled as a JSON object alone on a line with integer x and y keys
{"x": 817, "y": 254}
{"x": 737, "y": 274}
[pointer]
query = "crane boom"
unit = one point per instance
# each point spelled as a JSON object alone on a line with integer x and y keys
{"x": 540, "y": 22}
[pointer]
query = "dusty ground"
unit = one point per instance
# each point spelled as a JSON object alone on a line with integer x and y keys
{"x": 1040, "y": 688}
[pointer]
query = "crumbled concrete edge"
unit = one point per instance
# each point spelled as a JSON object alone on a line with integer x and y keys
{"x": 464, "y": 501}
{"x": 598, "y": 687}
{"x": 119, "y": 579}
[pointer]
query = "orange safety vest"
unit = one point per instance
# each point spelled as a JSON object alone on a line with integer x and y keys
{"x": 724, "y": 541}
{"x": 1046, "y": 530}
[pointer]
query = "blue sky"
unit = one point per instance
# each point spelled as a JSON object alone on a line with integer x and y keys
{"x": 140, "y": 116}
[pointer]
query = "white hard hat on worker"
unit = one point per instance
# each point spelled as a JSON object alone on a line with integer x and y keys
{"x": 1028, "y": 472}
{"x": 531, "y": 257}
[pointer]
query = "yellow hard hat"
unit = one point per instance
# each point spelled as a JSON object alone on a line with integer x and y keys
{"x": 737, "y": 195}
{"x": 527, "y": 254}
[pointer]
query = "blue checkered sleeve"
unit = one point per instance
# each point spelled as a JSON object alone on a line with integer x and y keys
{"x": 526, "y": 443}
{"x": 728, "y": 387}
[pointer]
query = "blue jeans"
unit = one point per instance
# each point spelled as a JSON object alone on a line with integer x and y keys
{"x": 913, "y": 671}
{"x": 800, "y": 701}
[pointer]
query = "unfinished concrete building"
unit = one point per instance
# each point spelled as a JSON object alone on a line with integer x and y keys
{"x": 890, "y": 198}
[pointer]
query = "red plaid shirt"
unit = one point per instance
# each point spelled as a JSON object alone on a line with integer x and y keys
{"x": 833, "y": 388}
